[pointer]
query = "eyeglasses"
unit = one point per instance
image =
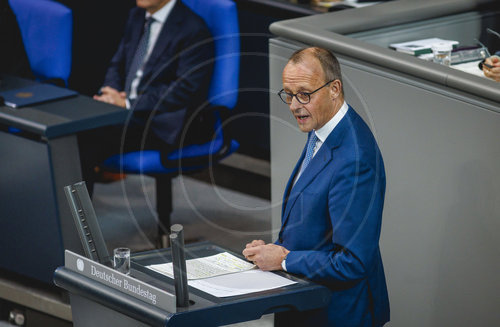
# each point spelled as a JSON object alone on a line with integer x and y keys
{"x": 302, "y": 97}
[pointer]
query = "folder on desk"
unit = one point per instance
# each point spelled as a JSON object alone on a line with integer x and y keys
{"x": 35, "y": 94}
{"x": 419, "y": 47}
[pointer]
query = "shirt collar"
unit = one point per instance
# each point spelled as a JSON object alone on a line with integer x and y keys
{"x": 162, "y": 14}
{"x": 324, "y": 131}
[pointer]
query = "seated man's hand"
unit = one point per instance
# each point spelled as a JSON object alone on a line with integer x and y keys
{"x": 494, "y": 72}
{"x": 112, "y": 96}
{"x": 265, "y": 256}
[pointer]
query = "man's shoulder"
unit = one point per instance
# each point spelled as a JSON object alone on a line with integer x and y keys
{"x": 358, "y": 140}
{"x": 190, "y": 17}
{"x": 136, "y": 12}
{"x": 359, "y": 126}
{"x": 351, "y": 127}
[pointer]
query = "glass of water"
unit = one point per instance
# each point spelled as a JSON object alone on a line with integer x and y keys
{"x": 442, "y": 53}
{"x": 121, "y": 260}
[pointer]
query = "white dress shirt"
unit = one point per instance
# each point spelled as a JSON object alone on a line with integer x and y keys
{"x": 160, "y": 17}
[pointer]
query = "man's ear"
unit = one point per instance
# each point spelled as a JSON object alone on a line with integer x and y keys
{"x": 335, "y": 89}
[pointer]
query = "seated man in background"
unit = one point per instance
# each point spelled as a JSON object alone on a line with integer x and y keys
{"x": 161, "y": 73}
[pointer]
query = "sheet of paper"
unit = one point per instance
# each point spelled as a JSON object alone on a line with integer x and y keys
{"x": 215, "y": 265}
{"x": 245, "y": 282}
{"x": 470, "y": 67}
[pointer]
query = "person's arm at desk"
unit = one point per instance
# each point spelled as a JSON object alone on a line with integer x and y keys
{"x": 110, "y": 95}
{"x": 491, "y": 67}
{"x": 114, "y": 80}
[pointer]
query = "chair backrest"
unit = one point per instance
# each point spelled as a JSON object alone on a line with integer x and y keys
{"x": 47, "y": 31}
{"x": 221, "y": 18}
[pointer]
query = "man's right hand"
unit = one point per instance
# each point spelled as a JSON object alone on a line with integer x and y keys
{"x": 112, "y": 96}
{"x": 267, "y": 257}
{"x": 494, "y": 72}
{"x": 255, "y": 243}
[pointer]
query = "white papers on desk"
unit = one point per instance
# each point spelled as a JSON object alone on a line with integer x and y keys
{"x": 246, "y": 282}
{"x": 225, "y": 275}
{"x": 353, "y": 3}
{"x": 215, "y": 265}
{"x": 470, "y": 67}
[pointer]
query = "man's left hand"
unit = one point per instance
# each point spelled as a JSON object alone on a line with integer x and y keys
{"x": 266, "y": 256}
{"x": 112, "y": 96}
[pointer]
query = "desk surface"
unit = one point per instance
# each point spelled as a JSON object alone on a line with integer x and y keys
{"x": 61, "y": 117}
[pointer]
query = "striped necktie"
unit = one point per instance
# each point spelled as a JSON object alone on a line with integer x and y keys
{"x": 311, "y": 144}
{"x": 140, "y": 55}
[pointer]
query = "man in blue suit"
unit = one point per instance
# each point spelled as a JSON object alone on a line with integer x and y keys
{"x": 333, "y": 202}
{"x": 161, "y": 73}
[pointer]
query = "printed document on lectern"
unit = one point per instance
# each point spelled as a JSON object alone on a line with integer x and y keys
{"x": 241, "y": 283}
{"x": 225, "y": 275}
{"x": 215, "y": 265}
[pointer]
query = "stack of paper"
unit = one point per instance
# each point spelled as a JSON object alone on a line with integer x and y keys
{"x": 224, "y": 275}
{"x": 245, "y": 282}
{"x": 419, "y": 47}
{"x": 215, "y": 265}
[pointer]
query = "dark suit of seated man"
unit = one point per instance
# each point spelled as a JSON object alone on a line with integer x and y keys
{"x": 333, "y": 202}
{"x": 161, "y": 73}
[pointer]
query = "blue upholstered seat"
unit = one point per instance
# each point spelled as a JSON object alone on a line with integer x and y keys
{"x": 222, "y": 20}
{"x": 47, "y": 31}
{"x": 148, "y": 161}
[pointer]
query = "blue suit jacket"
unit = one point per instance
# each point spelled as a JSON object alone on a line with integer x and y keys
{"x": 331, "y": 223}
{"x": 177, "y": 74}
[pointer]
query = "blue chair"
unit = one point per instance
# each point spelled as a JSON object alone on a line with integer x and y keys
{"x": 222, "y": 20}
{"x": 47, "y": 31}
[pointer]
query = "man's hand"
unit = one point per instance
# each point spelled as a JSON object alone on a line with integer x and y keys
{"x": 112, "y": 96}
{"x": 494, "y": 72}
{"x": 265, "y": 256}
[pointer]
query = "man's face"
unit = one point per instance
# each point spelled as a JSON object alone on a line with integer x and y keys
{"x": 307, "y": 76}
{"x": 151, "y": 6}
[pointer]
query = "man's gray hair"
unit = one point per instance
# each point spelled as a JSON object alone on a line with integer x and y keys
{"x": 327, "y": 60}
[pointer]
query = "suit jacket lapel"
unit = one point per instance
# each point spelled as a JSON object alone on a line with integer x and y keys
{"x": 291, "y": 179}
{"x": 317, "y": 164}
{"x": 171, "y": 28}
{"x": 135, "y": 36}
